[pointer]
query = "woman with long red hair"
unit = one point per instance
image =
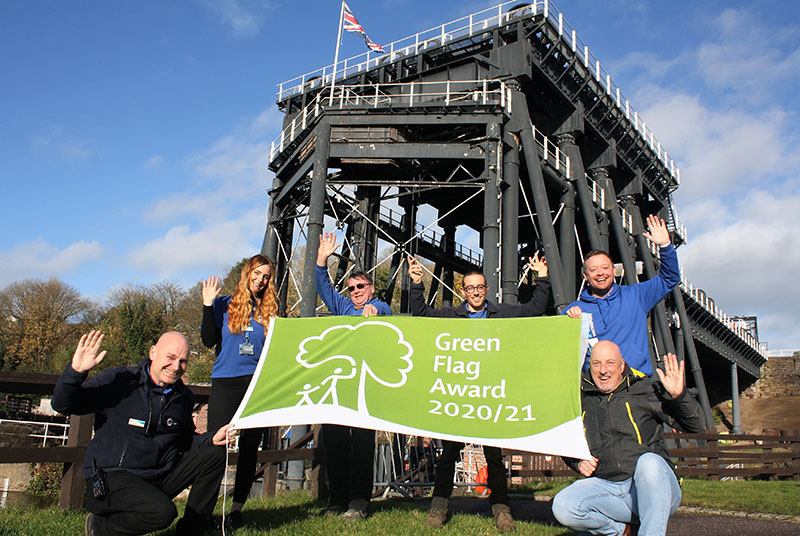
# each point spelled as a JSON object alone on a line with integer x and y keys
{"x": 236, "y": 324}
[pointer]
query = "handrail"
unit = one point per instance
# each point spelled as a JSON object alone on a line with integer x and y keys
{"x": 700, "y": 297}
{"x": 432, "y": 237}
{"x": 409, "y": 94}
{"x": 477, "y": 23}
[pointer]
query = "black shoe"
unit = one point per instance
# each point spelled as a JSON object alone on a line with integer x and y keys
{"x": 191, "y": 525}
{"x": 234, "y": 520}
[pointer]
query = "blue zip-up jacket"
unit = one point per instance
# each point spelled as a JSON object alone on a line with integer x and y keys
{"x": 621, "y": 317}
{"x": 138, "y": 428}
{"x": 338, "y": 304}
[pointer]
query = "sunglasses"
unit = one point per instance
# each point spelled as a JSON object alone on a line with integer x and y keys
{"x": 358, "y": 286}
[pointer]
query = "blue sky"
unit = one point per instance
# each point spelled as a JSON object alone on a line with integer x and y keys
{"x": 134, "y": 135}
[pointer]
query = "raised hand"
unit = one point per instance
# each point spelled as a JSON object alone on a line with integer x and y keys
{"x": 414, "y": 269}
{"x": 672, "y": 375}
{"x": 538, "y": 265}
{"x": 587, "y": 467}
{"x": 86, "y": 357}
{"x": 658, "y": 234}
{"x": 211, "y": 289}
{"x": 327, "y": 245}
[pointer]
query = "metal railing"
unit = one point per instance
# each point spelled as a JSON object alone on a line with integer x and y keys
{"x": 707, "y": 303}
{"x": 477, "y": 24}
{"x": 436, "y": 239}
{"x": 55, "y": 431}
{"x": 552, "y": 152}
{"x": 445, "y": 93}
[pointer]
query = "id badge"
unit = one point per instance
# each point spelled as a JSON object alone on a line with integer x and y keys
{"x": 246, "y": 349}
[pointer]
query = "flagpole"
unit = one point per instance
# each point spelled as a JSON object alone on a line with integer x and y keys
{"x": 336, "y": 56}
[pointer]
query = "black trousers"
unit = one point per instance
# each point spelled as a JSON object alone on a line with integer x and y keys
{"x": 349, "y": 462}
{"x": 446, "y": 468}
{"x": 137, "y": 506}
{"x": 226, "y": 395}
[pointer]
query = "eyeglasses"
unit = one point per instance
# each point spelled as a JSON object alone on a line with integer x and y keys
{"x": 475, "y": 288}
{"x": 358, "y": 286}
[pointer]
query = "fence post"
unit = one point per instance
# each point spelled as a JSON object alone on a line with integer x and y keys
{"x": 795, "y": 459}
{"x": 72, "y": 483}
{"x": 713, "y": 459}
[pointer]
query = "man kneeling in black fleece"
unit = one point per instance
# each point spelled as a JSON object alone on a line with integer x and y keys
{"x": 144, "y": 451}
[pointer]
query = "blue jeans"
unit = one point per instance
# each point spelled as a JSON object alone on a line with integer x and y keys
{"x": 600, "y": 506}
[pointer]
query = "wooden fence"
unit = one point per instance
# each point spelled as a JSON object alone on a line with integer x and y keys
{"x": 712, "y": 456}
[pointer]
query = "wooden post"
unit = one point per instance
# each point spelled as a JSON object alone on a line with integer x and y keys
{"x": 713, "y": 459}
{"x": 270, "y": 480}
{"x": 319, "y": 489}
{"x": 72, "y": 482}
{"x": 795, "y": 458}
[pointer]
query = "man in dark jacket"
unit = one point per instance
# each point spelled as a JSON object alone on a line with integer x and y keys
{"x": 144, "y": 451}
{"x": 630, "y": 473}
{"x": 474, "y": 290}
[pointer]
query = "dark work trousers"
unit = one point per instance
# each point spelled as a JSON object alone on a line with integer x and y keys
{"x": 349, "y": 460}
{"x": 446, "y": 468}
{"x": 138, "y": 506}
{"x": 226, "y": 395}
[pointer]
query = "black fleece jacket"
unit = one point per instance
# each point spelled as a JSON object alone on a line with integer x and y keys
{"x": 622, "y": 425}
{"x": 138, "y": 428}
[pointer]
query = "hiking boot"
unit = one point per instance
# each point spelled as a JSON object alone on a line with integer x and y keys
{"x": 89, "y": 525}
{"x": 334, "y": 510}
{"x": 192, "y": 524}
{"x": 438, "y": 514}
{"x": 234, "y": 520}
{"x": 502, "y": 517}
{"x": 356, "y": 511}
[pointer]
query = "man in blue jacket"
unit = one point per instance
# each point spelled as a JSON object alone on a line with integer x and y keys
{"x": 349, "y": 451}
{"x": 144, "y": 451}
{"x": 619, "y": 313}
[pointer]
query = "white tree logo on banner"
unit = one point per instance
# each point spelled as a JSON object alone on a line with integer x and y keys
{"x": 370, "y": 358}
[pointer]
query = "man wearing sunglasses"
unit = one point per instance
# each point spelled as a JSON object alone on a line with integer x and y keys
{"x": 349, "y": 451}
{"x": 474, "y": 289}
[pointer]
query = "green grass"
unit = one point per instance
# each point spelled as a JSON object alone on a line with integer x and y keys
{"x": 297, "y": 513}
{"x": 767, "y": 497}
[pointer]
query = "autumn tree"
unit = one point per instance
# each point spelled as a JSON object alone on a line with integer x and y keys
{"x": 40, "y": 318}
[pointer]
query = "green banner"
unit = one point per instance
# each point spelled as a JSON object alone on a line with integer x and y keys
{"x": 511, "y": 383}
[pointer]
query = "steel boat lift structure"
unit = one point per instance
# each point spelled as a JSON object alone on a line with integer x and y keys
{"x": 501, "y": 124}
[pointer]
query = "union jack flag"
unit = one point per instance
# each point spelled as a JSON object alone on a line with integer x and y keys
{"x": 352, "y": 25}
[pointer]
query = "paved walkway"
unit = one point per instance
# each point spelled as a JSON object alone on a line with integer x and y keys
{"x": 686, "y": 522}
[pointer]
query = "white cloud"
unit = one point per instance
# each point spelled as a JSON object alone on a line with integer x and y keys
{"x": 60, "y": 142}
{"x": 213, "y": 246}
{"x": 232, "y": 174}
{"x": 40, "y": 259}
{"x": 718, "y": 149}
{"x": 743, "y": 62}
{"x": 154, "y": 162}
{"x": 243, "y": 17}
{"x": 746, "y": 259}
